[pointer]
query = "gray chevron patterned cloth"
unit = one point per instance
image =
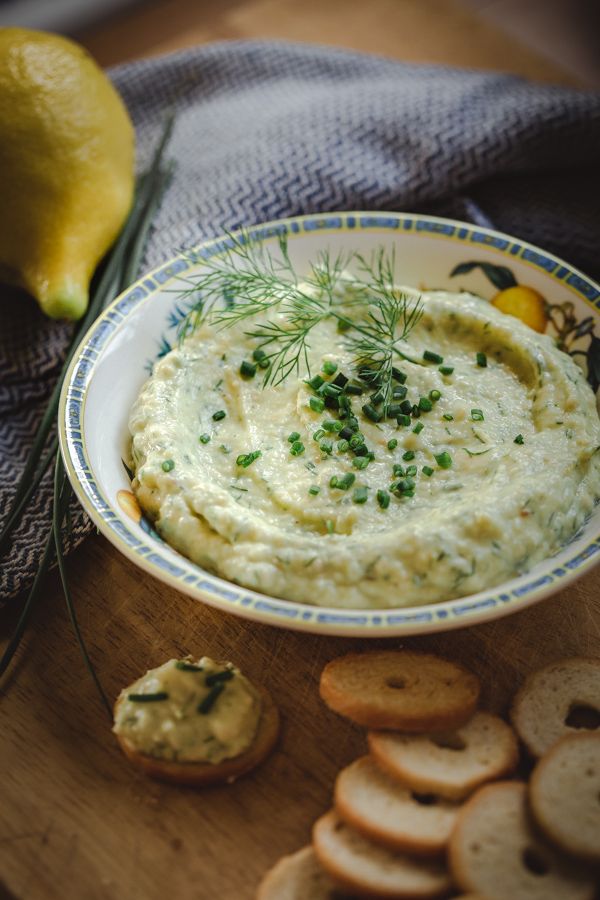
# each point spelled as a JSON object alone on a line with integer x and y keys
{"x": 269, "y": 129}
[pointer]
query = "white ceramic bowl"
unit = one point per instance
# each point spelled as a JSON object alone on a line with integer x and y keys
{"x": 116, "y": 356}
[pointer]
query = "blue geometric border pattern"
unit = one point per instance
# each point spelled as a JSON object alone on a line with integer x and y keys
{"x": 189, "y": 578}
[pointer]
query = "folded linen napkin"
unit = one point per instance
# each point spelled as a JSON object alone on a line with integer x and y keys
{"x": 270, "y": 129}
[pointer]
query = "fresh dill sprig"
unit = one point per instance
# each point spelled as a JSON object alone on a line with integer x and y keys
{"x": 244, "y": 280}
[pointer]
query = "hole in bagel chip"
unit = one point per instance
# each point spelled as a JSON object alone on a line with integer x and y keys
{"x": 534, "y": 862}
{"x": 582, "y": 716}
{"x": 448, "y": 740}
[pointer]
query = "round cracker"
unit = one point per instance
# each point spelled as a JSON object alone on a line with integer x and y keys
{"x": 390, "y": 813}
{"x": 201, "y": 774}
{"x": 299, "y": 876}
{"x": 451, "y": 763}
{"x": 550, "y": 696}
{"x": 369, "y": 870}
{"x": 495, "y": 850}
{"x": 400, "y": 690}
{"x": 564, "y": 793}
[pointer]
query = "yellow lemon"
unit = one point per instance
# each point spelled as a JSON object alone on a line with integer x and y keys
{"x": 525, "y": 303}
{"x": 66, "y": 168}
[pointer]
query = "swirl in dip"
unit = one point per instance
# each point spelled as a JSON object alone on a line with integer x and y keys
{"x": 506, "y": 457}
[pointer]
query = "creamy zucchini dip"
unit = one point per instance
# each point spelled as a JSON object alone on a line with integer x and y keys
{"x": 186, "y": 711}
{"x": 481, "y": 461}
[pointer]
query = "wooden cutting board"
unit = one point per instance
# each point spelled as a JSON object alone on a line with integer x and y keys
{"x": 76, "y": 821}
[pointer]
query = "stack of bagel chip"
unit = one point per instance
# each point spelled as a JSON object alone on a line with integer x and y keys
{"x": 434, "y": 810}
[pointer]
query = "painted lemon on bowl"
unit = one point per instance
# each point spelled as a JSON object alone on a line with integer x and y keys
{"x": 519, "y": 300}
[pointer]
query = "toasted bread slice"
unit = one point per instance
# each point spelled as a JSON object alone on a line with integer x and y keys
{"x": 564, "y": 793}
{"x": 450, "y": 763}
{"x": 550, "y": 697}
{"x": 400, "y": 690}
{"x": 495, "y": 850}
{"x": 389, "y": 813}
{"x": 366, "y": 869}
{"x": 299, "y": 877}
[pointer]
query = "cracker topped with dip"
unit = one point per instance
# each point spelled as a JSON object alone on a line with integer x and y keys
{"x": 346, "y": 442}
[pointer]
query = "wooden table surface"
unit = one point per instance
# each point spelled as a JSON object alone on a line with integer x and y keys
{"x": 76, "y": 821}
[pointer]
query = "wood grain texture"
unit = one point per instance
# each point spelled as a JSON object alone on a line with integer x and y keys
{"x": 76, "y": 821}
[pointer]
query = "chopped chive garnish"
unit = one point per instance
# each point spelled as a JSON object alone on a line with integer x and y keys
{"x": 427, "y": 470}
{"x": 411, "y": 471}
{"x": 360, "y": 462}
{"x": 406, "y": 484}
{"x": 347, "y": 481}
{"x": 354, "y": 389}
{"x": 430, "y": 356}
{"x": 218, "y": 677}
{"x": 416, "y": 411}
{"x": 188, "y": 667}
{"x": 297, "y": 448}
{"x": 316, "y": 404}
{"x": 333, "y": 481}
{"x": 248, "y": 369}
{"x": 333, "y": 425}
{"x": 371, "y": 413}
{"x": 330, "y": 368}
{"x": 329, "y": 526}
{"x": 398, "y": 471}
{"x": 148, "y": 698}
{"x": 406, "y": 407}
{"x": 425, "y": 404}
{"x": 477, "y": 415}
{"x": 346, "y": 433}
{"x": 219, "y": 414}
{"x": 356, "y": 440}
{"x": 293, "y": 436}
{"x": 352, "y": 423}
{"x": 326, "y": 445}
{"x": 378, "y": 397}
{"x": 343, "y": 446}
{"x": 383, "y": 498}
{"x": 371, "y": 455}
{"x": 410, "y": 454}
{"x": 205, "y": 438}
{"x": 434, "y": 395}
{"x": 408, "y": 493}
{"x": 446, "y": 370}
{"x": 344, "y": 402}
{"x": 399, "y": 375}
{"x": 330, "y": 390}
{"x": 210, "y": 699}
{"x": 392, "y": 410}
{"x": 418, "y": 428}
{"x": 341, "y": 380}
{"x": 360, "y": 494}
{"x": 392, "y": 444}
{"x": 448, "y": 417}
{"x": 399, "y": 392}
{"x": 403, "y": 420}
{"x": 318, "y": 434}
{"x": 168, "y": 465}
{"x": 519, "y": 439}
{"x": 258, "y": 355}
{"x": 315, "y": 382}
{"x": 444, "y": 460}
{"x": 482, "y": 360}
{"x": 314, "y": 489}
{"x": 361, "y": 450}
{"x": 246, "y": 459}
